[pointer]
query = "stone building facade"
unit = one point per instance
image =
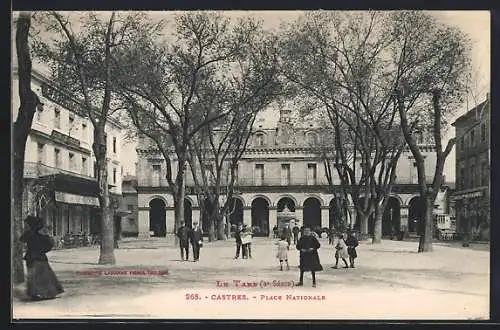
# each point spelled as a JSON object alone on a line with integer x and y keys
{"x": 279, "y": 174}
{"x": 473, "y": 192}
{"x": 60, "y": 164}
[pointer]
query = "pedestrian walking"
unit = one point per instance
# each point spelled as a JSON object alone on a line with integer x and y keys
{"x": 237, "y": 237}
{"x": 282, "y": 253}
{"x": 287, "y": 233}
{"x": 183, "y": 235}
{"x": 295, "y": 232}
{"x": 341, "y": 252}
{"x": 246, "y": 241}
{"x": 309, "y": 258}
{"x": 352, "y": 243}
{"x": 42, "y": 282}
{"x": 196, "y": 237}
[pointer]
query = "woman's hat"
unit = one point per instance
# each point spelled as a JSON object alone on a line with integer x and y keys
{"x": 34, "y": 221}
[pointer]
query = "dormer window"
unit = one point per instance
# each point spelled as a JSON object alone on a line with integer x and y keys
{"x": 259, "y": 139}
{"x": 312, "y": 138}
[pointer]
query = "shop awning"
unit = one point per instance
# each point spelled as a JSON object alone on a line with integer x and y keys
{"x": 68, "y": 198}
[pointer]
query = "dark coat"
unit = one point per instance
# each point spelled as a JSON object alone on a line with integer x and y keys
{"x": 309, "y": 260}
{"x": 37, "y": 245}
{"x": 196, "y": 235}
{"x": 352, "y": 243}
{"x": 42, "y": 283}
{"x": 237, "y": 235}
{"x": 183, "y": 234}
{"x": 296, "y": 230}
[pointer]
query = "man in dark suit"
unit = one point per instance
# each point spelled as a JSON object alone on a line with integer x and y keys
{"x": 237, "y": 237}
{"x": 196, "y": 237}
{"x": 183, "y": 235}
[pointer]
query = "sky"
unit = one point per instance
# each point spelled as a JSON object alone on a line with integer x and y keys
{"x": 476, "y": 24}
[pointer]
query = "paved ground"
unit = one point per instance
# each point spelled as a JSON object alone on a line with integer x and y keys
{"x": 391, "y": 281}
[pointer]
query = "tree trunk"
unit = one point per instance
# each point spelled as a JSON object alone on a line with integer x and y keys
{"x": 179, "y": 213}
{"x": 425, "y": 243}
{"x": 211, "y": 229}
{"x": 221, "y": 233}
{"x": 22, "y": 127}
{"x": 107, "y": 255}
{"x": 363, "y": 221}
{"x": 377, "y": 226}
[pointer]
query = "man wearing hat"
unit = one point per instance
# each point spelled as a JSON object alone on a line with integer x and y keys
{"x": 196, "y": 237}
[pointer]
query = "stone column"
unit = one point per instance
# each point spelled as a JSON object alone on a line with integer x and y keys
{"x": 404, "y": 218}
{"x": 247, "y": 216}
{"x": 273, "y": 219}
{"x": 195, "y": 215}
{"x": 143, "y": 222}
{"x": 325, "y": 217}
{"x": 170, "y": 220}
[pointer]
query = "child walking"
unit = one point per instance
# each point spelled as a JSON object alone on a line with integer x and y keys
{"x": 341, "y": 252}
{"x": 282, "y": 254}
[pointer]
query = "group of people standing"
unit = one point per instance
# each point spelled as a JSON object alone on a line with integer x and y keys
{"x": 308, "y": 245}
{"x": 188, "y": 235}
{"x": 243, "y": 235}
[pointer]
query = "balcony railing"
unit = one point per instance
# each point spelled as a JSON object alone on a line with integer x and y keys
{"x": 34, "y": 170}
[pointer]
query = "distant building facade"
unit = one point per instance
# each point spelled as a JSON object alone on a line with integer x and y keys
{"x": 60, "y": 164}
{"x": 473, "y": 192}
{"x": 280, "y": 173}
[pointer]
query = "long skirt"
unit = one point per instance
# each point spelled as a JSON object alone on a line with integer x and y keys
{"x": 42, "y": 281}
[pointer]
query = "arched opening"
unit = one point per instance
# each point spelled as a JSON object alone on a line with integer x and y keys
{"x": 188, "y": 213}
{"x": 236, "y": 211}
{"x": 206, "y": 216}
{"x": 391, "y": 219}
{"x": 416, "y": 215}
{"x": 286, "y": 202}
{"x": 285, "y": 212}
{"x": 312, "y": 213}
{"x": 157, "y": 218}
{"x": 260, "y": 217}
{"x": 335, "y": 215}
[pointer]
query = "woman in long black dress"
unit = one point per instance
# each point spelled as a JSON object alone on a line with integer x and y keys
{"x": 42, "y": 282}
{"x": 308, "y": 246}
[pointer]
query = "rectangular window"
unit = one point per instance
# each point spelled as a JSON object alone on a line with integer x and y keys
{"x": 209, "y": 174}
{"x": 84, "y": 166}
{"x": 57, "y": 158}
{"x": 236, "y": 174}
{"x": 130, "y": 207}
{"x": 311, "y": 174}
{"x": 472, "y": 176}
{"x": 285, "y": 174}
{"x": 483, "y": 133}
{"x": 259, "y": 174}
{"x": 57, "y": 118}
{"x": 71, "y": 161}
{"x": 114, "y": 145}
{"x": 485, "y": 176}
{"x": 84, "y": 131}
{"x": 114, "y": 175}
{"x": 41, "y": 153}
{"x": 472, "y": 138}
{"x": 156, "y": 175}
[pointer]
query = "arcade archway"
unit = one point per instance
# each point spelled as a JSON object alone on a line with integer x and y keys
{"x": 312, "y": 213}
{"x": 157, "y": 218}
{"x": 416, "y": 215}
{"x": 391, "y": 219}
{"x": 260, "y": 217}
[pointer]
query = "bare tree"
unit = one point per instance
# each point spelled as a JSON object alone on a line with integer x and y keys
{"x": 338, "y": 63}
{"x": 175, "y": 91}
{"x": 433, "y": 63}
{"x": 80, "y": 59}
{"x": 29, "y": 102}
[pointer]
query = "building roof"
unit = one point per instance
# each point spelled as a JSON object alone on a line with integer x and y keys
{"x": 479, "y": 109}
